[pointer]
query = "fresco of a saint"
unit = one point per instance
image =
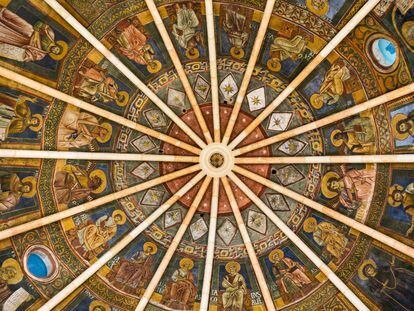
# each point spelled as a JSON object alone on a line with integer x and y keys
{"x": 78, "y": 129}
{"x": 16, "y": 116}
{"x": 352, "y": 188}
{"x": 357, "y": 136}
{"x": 92, "y": 239}
{"x": 181, "y": 290}
{"x": 285, "y": 48}
{"x": 235, "y": 25}
{"x": 390, "y": 283}
{"x": 328, "y": 236}
{"x": 235, "y": 285}
{"x": 95, "y": 86}
{"x": 403, "y": 196}
{"x": 291, "y": 276}
{"x": 74, "y": 183}
{"x": 133, "y": 44}
{"x": 12, "y": 188}
{"x": 332, "y": 87}
{"x": 185, "y": 30}
{"x": 23, "y": 42}
{"x": 133, "y": 274}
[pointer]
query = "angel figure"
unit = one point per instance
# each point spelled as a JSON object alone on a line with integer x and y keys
{"x": 16, "y": 116}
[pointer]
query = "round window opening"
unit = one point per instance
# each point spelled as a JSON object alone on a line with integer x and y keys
{"x": 40, "y": 263}
{"x": 383, "y": 53}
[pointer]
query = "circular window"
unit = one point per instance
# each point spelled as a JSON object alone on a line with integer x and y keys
{"x": 383, "y": 53}
{"x": 40, "y": 263}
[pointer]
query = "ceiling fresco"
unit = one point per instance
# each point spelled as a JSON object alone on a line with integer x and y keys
{"x": 376, "y": 57}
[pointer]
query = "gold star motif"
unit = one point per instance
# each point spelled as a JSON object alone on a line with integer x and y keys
{"x": 228, "y": 89}
{"x": 277, "y": 122}
{"x": 202, "y": 88}
{"x": 175, "y": 215}
{"x": 292, "y": 147}
{"x": 256, "y": 101}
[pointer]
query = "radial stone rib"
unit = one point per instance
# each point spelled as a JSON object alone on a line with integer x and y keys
{"x": 95, "y": 203}
{"x": 93, "y": 156}
{"x": 249, "y": 246}
{"x": 401, "y": 247}
{"x": 173, "y": 246}
{"x": 208, "y": 270}
{"x": 212, "y": 56}
{"x": 301, "y": 245}
{"x": 93, "y": 109}
{"x": 98, "y": 45}
{"x": 101, "y": 261}
{"x": 364, "y": 11}
{"x": 403, "y": 91}
{"x": 383, "y": 158}
{"x": 179, "y": 67}
{"x": 249, "y": 69}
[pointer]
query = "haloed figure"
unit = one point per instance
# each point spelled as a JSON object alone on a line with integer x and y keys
{"x": 392, "y": 285}
{"x": 403, "y": 196}
{"x": 180, "y": 291}
{"x": 16, "y": 116}
{"x": 328, "y": 236}
{"x": 357, "y": 136}
{"x": 290, "y": 275}
{"x": 92, "y": 238}
{"x": 96, "y": 86}
{"x": 78, "y": 129}
{"x": 185, "y": 29}
{"x": 10, "y": 274}
{"x": 23, "y": 42}
{"x": 350, "y": 188}
{"x": 403, "y": 125}
{"x": 12, "y": 189}
{"x": 333, "y": 86}
{"x": 74, "y": 183}
{"x": 235, "y": 286}
{"x": 132, "y": 275}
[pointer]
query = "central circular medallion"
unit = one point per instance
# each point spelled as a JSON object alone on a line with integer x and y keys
{"x": 217, "y": 160}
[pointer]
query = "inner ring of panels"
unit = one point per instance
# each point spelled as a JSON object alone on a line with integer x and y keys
{"x": 290, "y": 43}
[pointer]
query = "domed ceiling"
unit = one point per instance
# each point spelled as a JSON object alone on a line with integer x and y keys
{"x": 191, "y": 155}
